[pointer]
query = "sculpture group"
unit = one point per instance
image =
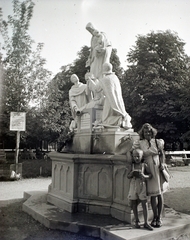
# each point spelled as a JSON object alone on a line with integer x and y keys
{"x": 93, "y": 178}
{"x": 102, "y": 88}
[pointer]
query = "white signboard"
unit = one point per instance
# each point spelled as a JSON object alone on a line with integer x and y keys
{"x": 18, "y": 121}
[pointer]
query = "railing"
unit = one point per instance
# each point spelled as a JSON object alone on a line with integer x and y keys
{"x": 177, "y": 152}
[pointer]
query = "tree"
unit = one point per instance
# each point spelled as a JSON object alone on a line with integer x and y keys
{"x": 57, "y": 112}
{"x": 157, "y": 73}
{"x": 25, "y": 77}
{"x": 57, "y": 115}
{"x": 114, "y": 60}
{"x": 24, "y": 68}
{"x": 78, "y": 66}
{"x": 36, "y": 131}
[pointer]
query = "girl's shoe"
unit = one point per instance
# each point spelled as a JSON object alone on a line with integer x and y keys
{"x": 153, "y": 223}
{"x": 158, "y": 222}
{"x": 147, "y": 226}
{"x": 137, "y": 225}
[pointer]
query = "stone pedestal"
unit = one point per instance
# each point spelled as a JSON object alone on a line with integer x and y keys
{"x": 91, "y": 139}
{"x": 92, "y": 178}
{"x": 103, "y": 141}
{"x": 90, "y": 183}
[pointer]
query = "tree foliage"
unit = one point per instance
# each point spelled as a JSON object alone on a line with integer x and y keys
{"x": 25, "y": 77}
{"x": 155, "y": 80}
{"x": 114, "y": 60}
{"x": 24, "y": 68}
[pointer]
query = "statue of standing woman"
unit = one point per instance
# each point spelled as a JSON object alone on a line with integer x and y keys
{"x": 100, "y": 53}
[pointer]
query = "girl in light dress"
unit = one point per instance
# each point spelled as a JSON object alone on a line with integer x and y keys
{"x": 151, "y": 148}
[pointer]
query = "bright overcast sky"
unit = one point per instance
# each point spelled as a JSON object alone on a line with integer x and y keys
{"x": 60, "y": 24}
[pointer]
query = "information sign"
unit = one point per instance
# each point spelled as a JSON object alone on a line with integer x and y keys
{"x": 18, "y": 121}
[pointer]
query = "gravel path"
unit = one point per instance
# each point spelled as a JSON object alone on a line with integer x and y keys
{"x": 14, "y": 189}
{"x": 180, "y": 177}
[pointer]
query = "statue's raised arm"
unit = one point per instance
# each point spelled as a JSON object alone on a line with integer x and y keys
{"x": 100, "y": 51}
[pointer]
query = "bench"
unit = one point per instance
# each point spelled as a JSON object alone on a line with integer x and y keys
{"x": 178, "y": 158}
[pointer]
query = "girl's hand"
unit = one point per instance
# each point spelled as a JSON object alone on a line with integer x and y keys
{"x": 161, "y": 167}
{"x": 143, "y": 176}
{"x": 130, "y": 175}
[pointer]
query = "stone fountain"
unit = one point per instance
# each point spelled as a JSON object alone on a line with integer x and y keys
{"x": 89, "y": 189}
{"x": 92, "y": 176}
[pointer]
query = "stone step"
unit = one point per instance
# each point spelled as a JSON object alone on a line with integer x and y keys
{"x": 175, "y": 225}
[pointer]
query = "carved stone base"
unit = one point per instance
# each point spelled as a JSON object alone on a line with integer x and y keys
{"x": 93, "y": 183}
{"x": 100, "y": 141}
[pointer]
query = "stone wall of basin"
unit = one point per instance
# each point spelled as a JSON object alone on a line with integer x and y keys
{"x": 90, "y": 183}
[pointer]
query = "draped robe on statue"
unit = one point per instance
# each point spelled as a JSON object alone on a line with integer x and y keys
{"x": 114, "y": 109}
{"x": 100, "y": 53}
{"x": 77, "y": 97}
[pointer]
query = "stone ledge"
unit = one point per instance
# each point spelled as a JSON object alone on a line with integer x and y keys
{"x": 175, "y": 225}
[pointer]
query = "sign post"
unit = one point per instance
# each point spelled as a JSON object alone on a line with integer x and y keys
{"x": 18, "y": 124}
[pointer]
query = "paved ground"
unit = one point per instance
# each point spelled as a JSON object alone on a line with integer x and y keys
{"x": 11, "y": 190}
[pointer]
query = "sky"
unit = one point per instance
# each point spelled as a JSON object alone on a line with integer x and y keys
{"x": 60, "y": 24}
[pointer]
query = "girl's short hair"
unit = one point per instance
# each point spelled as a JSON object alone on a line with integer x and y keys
{"x": 137, "y": 150}
{"x": 147, "y": 126}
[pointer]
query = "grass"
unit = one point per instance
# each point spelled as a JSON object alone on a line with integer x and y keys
{"x": 31, "y": 168}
